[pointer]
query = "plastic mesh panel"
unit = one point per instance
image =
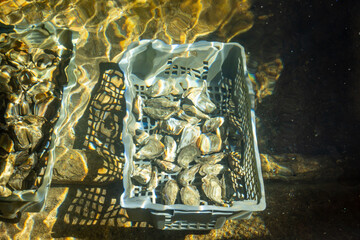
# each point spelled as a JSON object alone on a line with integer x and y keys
{"x": 220, "y": 95}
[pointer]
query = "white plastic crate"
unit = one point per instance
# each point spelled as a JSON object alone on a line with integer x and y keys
{"x": 222, "y": 66}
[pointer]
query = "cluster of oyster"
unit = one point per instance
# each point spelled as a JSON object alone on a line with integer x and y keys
{"x": 28, "y": 107}
{"x": 187, "y": 142}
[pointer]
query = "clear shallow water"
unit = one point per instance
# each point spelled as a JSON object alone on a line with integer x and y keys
{"x": 300, "y": 117}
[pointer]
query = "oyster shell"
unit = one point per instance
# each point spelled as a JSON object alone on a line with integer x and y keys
{"x": 170, "y": 149}
{"x": 6, "y": 143}
{"x": 212, "y": 124}
{"x": 7, "y": 168}
{"x": 141, "y": 136}
{"x": 162, "y": 103}
{"x": 191, "y": 120}
{"x": 42, "y": 60}
{"x": 169, "y": 192}
{"x": 212, "y": 189}
{"x": 142, "y": 174}
{"x": 151, "y": 150}
{"x": 200, "y": 98}
{"x": 154, "y": 181}
{"x": 187, "y": 155}
{"x": 173, "y": 126}
{"x": 46, "y": 107}
{"x": 190, "y": 195}
{"x": 211, "y": 169}
{"x": 211, "y": 159}
{"x": 160, "y": 113}
{"x": 163, "y": 87}
{"x": 167, "y": 166}
{"x": 187, "y": 176}
{"x": 193, "y": 111}
{"x": 189, "y": 136}
{"x": 4, "y": 191}
{"x": 138, "y": 107}
{"x": 209, "y": 143}
{"x": 18, "y": 57}
{"x": 22, "y": 171}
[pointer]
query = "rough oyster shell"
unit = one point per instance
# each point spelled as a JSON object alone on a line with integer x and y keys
{"x": 163, "y": 87}
{"x": 138, "y": 107}
{"x": 187, "y": 155}
{"x": 191, "y": 120}
{"x": 187, "y": 176}
{"x": 162, "y": 103}
{"x": 167, "y": 166}
{"x": 212, "y": 189}
{"x": 209, "y": 143}
{"x": 211, "y": 169}
{"x": 22, "y": 171}
{"x": 189, "y": 136}
{"x": 160, "y": 113}
{"x": 151, "y": 150}
{"x": 141, "y": 136}
{"x": 210, "y": 125}
{"x": 190, "y": 195}
{"x": 154, "y": 181}
{"x": 170, "y": 149}
{"x": 211, "y": 159}
{"x": 169, "y": 192}
{"x": 193, "y": 111}
{"x": 200, "y": 98}
{"x": 142, "y": 174}
{"x": 173, "y": 126}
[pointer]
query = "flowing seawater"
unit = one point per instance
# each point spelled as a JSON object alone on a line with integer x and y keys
{"x": 86, "y": 186}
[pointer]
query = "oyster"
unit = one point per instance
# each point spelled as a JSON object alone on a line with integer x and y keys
{"x": 187, "y": 176}
{"x": 191, "y": 120}
{"x": 193, "y": 111}
{"x": 7, "y": 168}
{"x": 4, "y": 191}
{"x": 190, "y": 195}
{"x": 152, "y": 149}
{"x": 211, "y": 159}
{"x": 169, "y": 192}
{"x": 22, "y": 171}
{"x": 28, "y": 132}
{"x": 189, "y": 135}
{"x": 212, "y": 189}
{"x": 200, "y": 98}
{"x": 141, "y": 136}
{"x": 160, "y": 113}
{"x": 142, "y": 174}
{"x": 212, "y": 124}
{"x": 6, "y": 143}
{"x": 167, "y": 166}
{"x": 162, "y": 103}
{"x": 154, "y": 181}
{"x": 211, "y": 169}
{"x": 43, "y": 60}
{"x": 18, "y": 57}
{"x": 163, "y": 87}
{"x": 46, "y": 107}
{"x": 209, "y": 143}
{"x": 170, "y": 149}
{"x": 138, "y": 107}
{"x": 173, "y": 126}
{"x": 187, "y": 155}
